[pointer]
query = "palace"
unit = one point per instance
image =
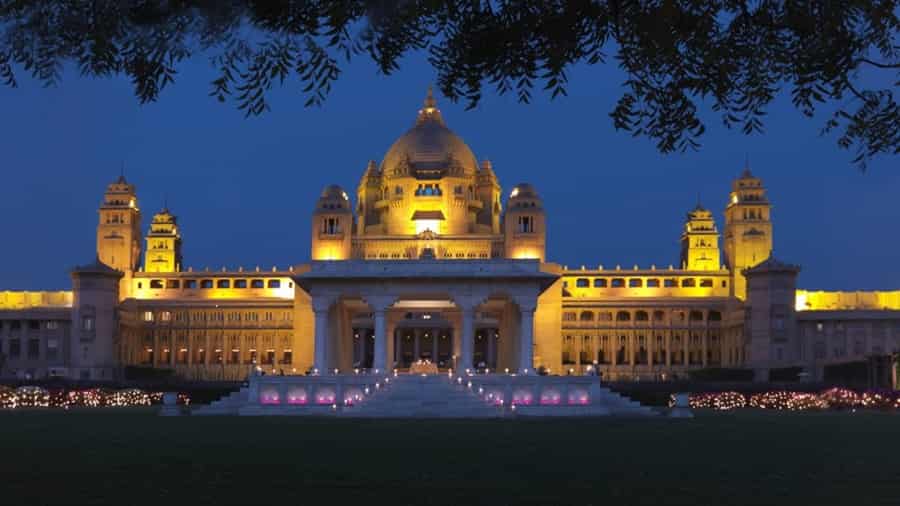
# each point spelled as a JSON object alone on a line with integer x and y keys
{"x": 429, "y": 261}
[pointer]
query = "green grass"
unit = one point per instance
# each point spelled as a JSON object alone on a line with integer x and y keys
{"x": 131, "y": 457}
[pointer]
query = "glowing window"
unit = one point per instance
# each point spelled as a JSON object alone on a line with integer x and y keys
{"x": 147, "y": 316}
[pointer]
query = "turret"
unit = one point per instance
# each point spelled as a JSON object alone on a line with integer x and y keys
{"x": 163, "y": 244}
{"x": 748, "y": 229}
{"x": 119, "y": 231}
{"x": 95, "y": 324}
{"x": 700, "y": 241}
{"x": 524, "y": 224}
{"x": 771, "y": 339}
{"x": 332, "y": 225}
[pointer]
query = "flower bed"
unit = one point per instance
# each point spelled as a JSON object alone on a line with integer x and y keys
{"x": 37, "y": 397}
{"x": 834, "y": 398}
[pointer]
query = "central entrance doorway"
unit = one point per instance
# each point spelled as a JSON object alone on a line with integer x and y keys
{"x": 432, "y": 343}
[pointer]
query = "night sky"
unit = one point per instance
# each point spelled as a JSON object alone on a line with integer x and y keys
{"x": 244, "y": 189}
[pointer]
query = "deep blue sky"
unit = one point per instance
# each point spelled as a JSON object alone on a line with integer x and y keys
{"x": 243, "y": 189}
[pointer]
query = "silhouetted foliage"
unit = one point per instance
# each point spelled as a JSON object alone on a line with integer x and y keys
{"x": 737, "y": 55}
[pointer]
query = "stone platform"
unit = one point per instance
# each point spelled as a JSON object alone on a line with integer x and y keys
{"x": 425, "y": 396}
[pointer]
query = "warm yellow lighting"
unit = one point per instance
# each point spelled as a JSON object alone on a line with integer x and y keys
{"x": 734, "y": 199}
{"x": 806, "y": 300}
{"x": 515, "y": 192}
{"x": 423, "y": 225}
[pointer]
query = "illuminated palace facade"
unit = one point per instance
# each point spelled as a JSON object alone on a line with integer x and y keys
{"x": 431, "y": 262}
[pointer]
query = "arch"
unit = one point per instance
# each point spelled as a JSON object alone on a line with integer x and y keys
{"x": 641, "y": 316}
{"x": 586, "y": 316}
{"x": 617, "y": 282}
{"x": 688, "y": 282}
{"x": 582, "y": 283}
{"x": 623, "y": 316}
{"x": 635, "y": 282}
{"x": 714, "y": 316}
{"x": 696, "y": 316}
{"x": 600, "y": 283}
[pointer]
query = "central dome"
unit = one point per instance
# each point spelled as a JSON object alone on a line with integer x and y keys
{"x": 427, "y": 147}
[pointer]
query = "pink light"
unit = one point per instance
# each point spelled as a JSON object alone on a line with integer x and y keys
{"x": 578, "y": 397}
{"x": 297, "y": 396}
{"x": 522, "y": 398}
{"x": 270, "y": 397}
{"x": 550, "y": 398}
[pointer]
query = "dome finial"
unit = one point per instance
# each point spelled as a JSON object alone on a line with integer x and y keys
{"x": 747, "y": 173}
{"x": 429, "y": 98}
{"x": 430, "y": 110}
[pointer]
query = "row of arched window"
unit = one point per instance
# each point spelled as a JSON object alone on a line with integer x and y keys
{"x": 641, "y": 315}
{"x": 189, "y": 284}
{"x": 648, "y": 283}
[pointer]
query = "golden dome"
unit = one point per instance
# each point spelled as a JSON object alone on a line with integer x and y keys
{"x": 429, "y": 149}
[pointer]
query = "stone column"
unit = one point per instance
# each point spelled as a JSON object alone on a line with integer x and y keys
{"x": 467, "y": 342}
{"x": 417, "y": 343}
{"x": 379, "y": 304}
{"x": 527, "y": 306}
{"x": 435, "y": 335}
{"x": 321, "y": 306}
{"x": 704, "y": 338}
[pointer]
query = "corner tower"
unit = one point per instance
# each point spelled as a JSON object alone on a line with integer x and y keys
{"x": 700, "y": 242}
{"x": 525, "y": 225}
{"x": 332, "y": 225}
{"x": 163, "y": 244}
{"x": 748, "y": 229}
{"x": 119, "y": 229}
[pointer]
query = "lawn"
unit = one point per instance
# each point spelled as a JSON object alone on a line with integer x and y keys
{"x": 750, "y": 457}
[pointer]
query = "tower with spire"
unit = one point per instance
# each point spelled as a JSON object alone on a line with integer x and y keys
{"x": 700, "y": 241}
{"x": 163, "y": 252}
{"x": 119, "y": 227}
{"x": 748, "y": 228}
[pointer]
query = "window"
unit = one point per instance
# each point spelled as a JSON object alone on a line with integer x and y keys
{"x": 240, "y": 283}
{"x": 257, "y": 283}
{"x": 173, "y": 283}
{"x": 696, "y": 316}
{"x": 458, "y": 190}
{"x": 569, "y": 316}
{"x": 156, "y": 284}
{"x": 190, "y": 284}
{"x": 641, "y": 316}
{"x": 147, "y": 316}
{"x": 623, "y": 316}
{"x": 688, "y": 283}
{"x": 269, "y": 357}
{"x": 652, "y": 283}
{"x": 87, "y": 323}
{"x": 52, "y": 325}
{"x": 635, "y": 283}
{"x": 274, "y": 283}
{"x": 34, "y": 324}
{"x": 206, "y": 283}
{"x": 15, "y": 325}
{"x": 223, "y": 283}
{"x": 599, "y": 282}
{"x": 605, "y": 316}
{"x": 669, "y": 283}
{"x": 331, "y": 226}
{"x": 525, "y": 224}
{"x": 715, "y": 316}
{"x": 15, "y": 348}
{"x": 235, "y": 356}
{"x": 34, "y": 348}
{"x": 582, "y": 283}
{"x": 52, "y": 349}
{"x": 706, "y": 283}
{"x": 287, "y": 357}
{"x": 617, "y": 283}
{"x": 165, "y": 316}
{"x": 398, "y": 191}
{"x": 587, "y": 316}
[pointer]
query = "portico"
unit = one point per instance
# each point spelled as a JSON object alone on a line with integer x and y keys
{"x": 383, "y": 315}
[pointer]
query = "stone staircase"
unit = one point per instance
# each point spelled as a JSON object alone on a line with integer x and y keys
{"x": 412, "y": 396}
{"x": 228, "y": 405}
